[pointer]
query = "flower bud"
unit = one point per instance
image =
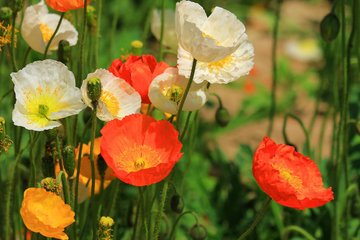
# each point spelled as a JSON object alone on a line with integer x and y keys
{"x": 105, "y": 230}
{"x": 51, "y": 185}
{"x": 16, "y": 5}
{"x": 94, "y": 89}
{"x": 101, "y": 165}
{"x": 91, "y": 18}
{"x": 5, "y": 141}
{"x": 330, "y": 27}
{"x": 5, "y": 13}
{"x": 63, "y": 52}
{"x": 177, "y": 203}
{"x": 198, "y": 232}
{"x": 69, "y": 160}
{"x": 137, "y": 46}
{"x": 222, "y": 116}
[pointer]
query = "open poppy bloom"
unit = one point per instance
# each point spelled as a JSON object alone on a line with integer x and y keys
{"x": 289, "y": 178}
{"x": 139, "y": 149}
{"x": 46, "y": 213}
{"x": 138, "y": 71}
{"x": 65, "y": 5}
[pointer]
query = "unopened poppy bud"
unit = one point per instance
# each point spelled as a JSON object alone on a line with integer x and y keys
{"x": 5, "y": 13}
{"x": 330, "y": 27}
{"x": 101, "y": 164}
{"x": 105, "y": 228}
{"x": 198, "y": 232}
{"x": 222, "y": 116}
{"x": 17, "y": 5}
{"x": 51, "y": 185}
{"x": 69, "y": 160}
{"x": 48, "y": 166}
{"x": 5, "y": 141}
{"x": 91, "y": 17}
{"x": 94, "y": 89}
{"x": 64, "y": 51}
{"x": 177, "y": 203}
{"x": 137, "y": 47}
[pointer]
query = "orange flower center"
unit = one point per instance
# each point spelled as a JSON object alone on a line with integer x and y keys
{"x": 137, "y": 158}
{"x": 287, "y": 175}
{"x": 46, "y": 32}
{"x": 111, "y": 103}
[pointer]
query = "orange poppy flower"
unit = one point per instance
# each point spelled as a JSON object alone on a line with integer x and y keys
{"x": 138, "y": 71}
{"x": 46, "y": 213}
{"x": 139, "y": 149}
{"x": 65, "y": 5}
{"x": 289, "y": 178}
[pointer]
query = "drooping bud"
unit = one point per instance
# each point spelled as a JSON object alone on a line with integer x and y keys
{"x": 198, "y": 232}
{"x": 94, "y": 89}
{"x": 51, "y": 185}
{"x": 101, "y": 165}
{"x": 63, "y": 52}
{"x": 105, "y": 228}
{"x": 222, "y": 116}
{"x": 137, "y": 47}
{"x": 5, "y": 13}
{"x": 330, "y": 27}
{"x": 5, "y": 141}
{"x": 69, "y": 160}
{"x": 91, "y": 18}
{"x": 177, "y": 203}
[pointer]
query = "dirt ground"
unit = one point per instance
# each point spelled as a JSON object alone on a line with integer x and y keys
{"x": 294, "y": 14}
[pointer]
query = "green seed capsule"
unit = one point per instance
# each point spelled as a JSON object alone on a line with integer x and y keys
{"x": 101, "y": 165}
{"x": 5, "y": 13}
{"x": 63, "y": 52}
{"x": 330, "y": 27}
{"x": 177, "y": 203}
{"x": 94, "y": 89}
{"x": 69, "y": 160}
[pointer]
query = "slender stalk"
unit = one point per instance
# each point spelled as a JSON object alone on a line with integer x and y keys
{"x": 81, "y": 45}
{"x": 162, "y": 29}
{"x": 12, "y": 50}
{"x": 183, "y": 132}
{"x": 98, "y": 27}
{"x": 54, "y": 34}
{"x": 137, "y": 218}
{"x": 297, "y": 229}
{"x": 192, "y": 74}
{"x": 28, "y": 50}
{"x": 257, "y": 219}
{"x": 63, "y": 177}
{"x": 155, "y": 236}
{"x": 172, "y": 233}
{"x": 274, "y": 67}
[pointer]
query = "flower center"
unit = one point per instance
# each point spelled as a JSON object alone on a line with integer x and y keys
{"x": 46, "y": 32}
{"x": 173, "y": 93}
{"x": 111, "y": 103}
{"x": 139, "y": 163}
{"x": 215, "y": 66}
{"x": 43, "y": 110}
{"x": 287, "y": 175}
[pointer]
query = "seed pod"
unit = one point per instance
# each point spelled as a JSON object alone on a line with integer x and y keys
{"x": 5, "y": 13}
{"x": 222, "y": 116}
{"x": 198, "y": 232}
{"x": 177, "y": 203}
{"x": 63, "y": 52}
{"x": 330, "y": 27}
{"x": 69, "y": 160}
{"x": 94, "y": 89}
{"x": 105, "y": 228}
{"x": 51, "y": 185}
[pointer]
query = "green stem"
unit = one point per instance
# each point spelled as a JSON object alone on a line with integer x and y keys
{"x": 297, "y": 229}
{"x": 54, "y": 34}
{"x": 81, "y": 45}
{"x": 257, "y": 219}
{"x": 172, "y": 233}
{"x": 98, "y": 27}
{"x": 28, "y": 50}
{"x": 274, "y": 67}
{"x": 183, "y": 132}
{"x": 12, "y": 50}
{"x": 155, "y": 236}
{"x": 138, "y": 207}
{"x": 63, "y": 177}
{"x": 192, "y": 74}
{"x": 162, "y": 29}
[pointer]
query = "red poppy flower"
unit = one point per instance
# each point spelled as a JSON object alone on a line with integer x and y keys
{"x": 65, "y": 5}
{"x": 138, "y": 71}
{"x": 139, "y": 149}
{"x": 289, "y": 178}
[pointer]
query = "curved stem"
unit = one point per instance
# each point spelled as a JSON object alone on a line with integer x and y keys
{"x": 54, "y": 34}
{"x": 192, "y": 74}
{"x": 162, "y": 29}
{"x": 183, "y": 132}
{"x": 297, "y": 229}
{"x": 155, "y": 236}
{"x": 257, "y": 219}
{"x": 306, "y": 133}
{"x": 274, "y": 66}
{"x": 178, "y": 220}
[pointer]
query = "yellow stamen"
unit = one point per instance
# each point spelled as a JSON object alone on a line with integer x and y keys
{"x": 111, "y": 103}
{"x": 46, "y": 32}
{"x": 215, "y": 66}
{"x": 287, "y": 175}
{"x": 173, "y": 93}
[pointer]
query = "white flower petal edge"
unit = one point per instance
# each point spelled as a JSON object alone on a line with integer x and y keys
{"x": 118, "y": 99}
{"x": 169, "y": 38}
{"x": 165, "y": 92}
{"x": 38, "y": 26}
{"x": 226, "y": 70}
{"x": 210, "y": 38}
{"x": 45, "y": 92}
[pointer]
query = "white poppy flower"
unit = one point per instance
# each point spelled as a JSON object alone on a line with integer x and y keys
{"x": 208, "y": 39}
{"x": 38, "y": 26}
{"x": 226, "y": 70}
{"x": 169, "y": 38}
{"x": 306, "y": 50}
{"x": 117, "y": 100}
{"x": 167, "y": 89}
{"x": 45, "y": 92}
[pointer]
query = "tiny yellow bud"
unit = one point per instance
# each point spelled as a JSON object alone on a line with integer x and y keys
{"x": 106, "y": 221}
{"x": 51, "y": 185}
{"x": 2, "y": 121}
{"x": 137, "y": 44}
